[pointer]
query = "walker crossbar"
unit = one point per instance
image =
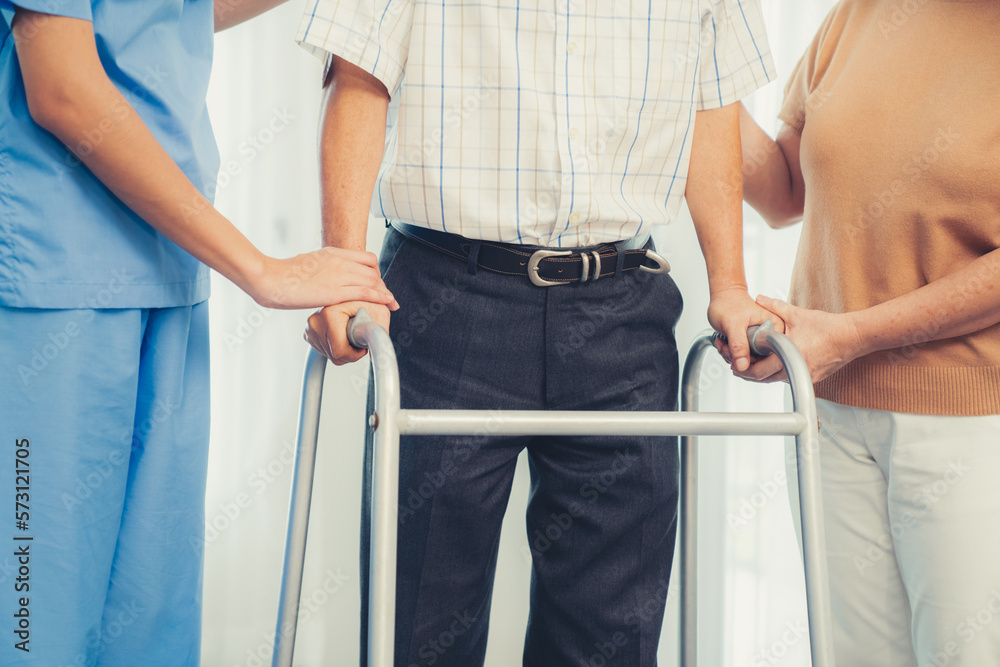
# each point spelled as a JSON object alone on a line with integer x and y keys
{"x": 390, "y": 421}
{"x": 570, "y": 422}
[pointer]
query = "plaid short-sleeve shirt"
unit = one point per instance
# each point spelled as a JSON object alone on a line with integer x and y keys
{"x": 559, "y": 123}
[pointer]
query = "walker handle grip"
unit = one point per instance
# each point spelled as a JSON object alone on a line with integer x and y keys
{"x": 361, "y": 318}
{"x": 753, "y": 333}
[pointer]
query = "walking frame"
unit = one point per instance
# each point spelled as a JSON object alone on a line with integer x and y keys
{"x": 390, "y": 421}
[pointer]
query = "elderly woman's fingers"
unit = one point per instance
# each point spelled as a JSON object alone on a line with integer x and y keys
{"x": 782, "y": 309}
{"x": 762, "y": 371}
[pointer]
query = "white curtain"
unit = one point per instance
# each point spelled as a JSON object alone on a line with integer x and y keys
{"x": 264, "y": 100}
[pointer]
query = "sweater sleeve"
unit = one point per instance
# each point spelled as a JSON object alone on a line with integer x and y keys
{"x": 802, "y": 92}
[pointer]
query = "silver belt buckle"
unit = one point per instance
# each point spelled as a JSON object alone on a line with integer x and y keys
{"x": 537, "y": 257}
{"x": 662, "y": 266}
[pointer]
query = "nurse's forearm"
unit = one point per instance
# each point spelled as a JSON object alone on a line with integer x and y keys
{"x": 233, "y": 12}
{"x": 70, "y": 95}
{"x": 960, "y": 303}
{"x": 351, "y": 146}
{"x": 772, "y": 177}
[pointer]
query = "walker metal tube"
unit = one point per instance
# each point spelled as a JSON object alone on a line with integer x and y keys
{"x": 389, "y": 421}
{"x": 687, "y": 639}
{"x": 298, "y": 510}
{"x": 763, "y": 341}
{"x": 364, "y": 333}
{"x": 810, "y": 494}
{"x": 569, "y": 422}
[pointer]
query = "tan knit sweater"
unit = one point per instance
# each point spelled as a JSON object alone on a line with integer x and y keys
{"x": 898, "y": 104}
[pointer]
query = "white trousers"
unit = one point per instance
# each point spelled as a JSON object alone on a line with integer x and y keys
{"x": 912, "y": 515}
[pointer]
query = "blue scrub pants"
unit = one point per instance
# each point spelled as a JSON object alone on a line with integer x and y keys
{"x": 104, "y": 429}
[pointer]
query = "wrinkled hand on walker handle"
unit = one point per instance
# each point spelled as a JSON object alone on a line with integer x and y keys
{"x": 720, "y": 341}
{"x": 752, "y": 334}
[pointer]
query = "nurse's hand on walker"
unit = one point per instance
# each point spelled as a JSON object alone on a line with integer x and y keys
{"x": 319, "y": 278}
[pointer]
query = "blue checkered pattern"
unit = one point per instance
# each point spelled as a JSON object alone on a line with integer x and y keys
{"x": 563, "y": 125}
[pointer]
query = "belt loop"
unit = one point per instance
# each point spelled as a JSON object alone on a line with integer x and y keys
{"x": 474, "y": 256}
{"x": 620, "y": 247}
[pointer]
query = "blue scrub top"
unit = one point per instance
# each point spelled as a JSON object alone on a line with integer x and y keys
{"x": 65, "y": 240}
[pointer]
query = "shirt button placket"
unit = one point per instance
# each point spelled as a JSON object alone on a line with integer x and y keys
{"x": 567, "y": 89}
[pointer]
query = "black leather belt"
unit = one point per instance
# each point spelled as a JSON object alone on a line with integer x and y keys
{"x": 545, "y": 267}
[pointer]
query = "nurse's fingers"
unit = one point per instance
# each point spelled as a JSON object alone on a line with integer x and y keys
{"x": 347, "y": 293}
{"x": 359, "y": 256}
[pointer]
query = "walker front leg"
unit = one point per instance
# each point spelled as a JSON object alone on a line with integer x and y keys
{"x": 364, "y": 333}
{"x": 810, "y": 490}
{"x": 688, "y": 514}
{"x": 298, "y": 509}
{"x": 763, "y": 340}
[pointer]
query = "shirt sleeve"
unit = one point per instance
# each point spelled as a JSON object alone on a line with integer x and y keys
{"x": 735, "y": 56}
{"x": 802, "y": 87}
{"x": 74, "y": 9}
{"x": 372, "y": 34}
